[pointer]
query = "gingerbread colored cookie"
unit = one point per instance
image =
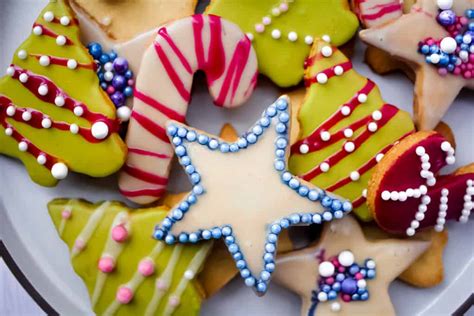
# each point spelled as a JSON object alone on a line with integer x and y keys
{"x": 435, "y": 41}
{"x": 345, "y": 274}
{"x": 243, "y": 193}
{"x": 406, "y": 193}
{"x": 163, "y": 91}
{"x": 54, "y": 117}
{"x": 282, "y": 31}
{"x": 125, "y": 270}
{"x": 345, "y": 127}
{"x": 124, "y": 20}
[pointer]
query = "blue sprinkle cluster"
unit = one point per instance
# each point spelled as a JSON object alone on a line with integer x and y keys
{"x": 334, "y": 208}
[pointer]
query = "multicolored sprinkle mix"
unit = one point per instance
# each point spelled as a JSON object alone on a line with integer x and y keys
{"x": 341, "y": 276}
{"x": 455, "y": 53}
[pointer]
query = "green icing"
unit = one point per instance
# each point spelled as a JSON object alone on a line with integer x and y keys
{"x": 95, "y": 159}
{"x": 282, "y": 60}
{"x": 138, "y": 246}
{"x": 321, "y": 101}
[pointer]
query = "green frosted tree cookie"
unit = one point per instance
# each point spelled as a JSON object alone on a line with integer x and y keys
{"x": 54, "y": 116}
{"x": 282, "y": 31}
{"x": 126, "y": 271}
{"x": 345, "y": 127}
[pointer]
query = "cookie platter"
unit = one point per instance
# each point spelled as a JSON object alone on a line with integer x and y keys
{"x": 31, "y": 237}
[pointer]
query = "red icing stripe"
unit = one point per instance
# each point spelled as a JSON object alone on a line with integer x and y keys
{"x": 388, "y": 112}
{"x": 144, "y": 175}
{"x": 144, "y": 152}
{"x": 163, "y": 32}
{"x": 63, "y": 62}
{"x": 384, "y": 9}
{"x": 313, "y": 140}
{"x": 151, "y": 126}
{"x": 358, "y": 202}
{"x": 170, "y": 113}
{"x": 71, "y": 21}
{"x": 47, "y": 32}
{"x": 144, "y": 192}
{"x": 329, "y": 72}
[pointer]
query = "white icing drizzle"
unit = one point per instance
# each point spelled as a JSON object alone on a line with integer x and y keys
{"x": 67, "y": 208}
{"x": 89, "y": 228}
{"x": 113, "y": 250}
{"x": 137, "y": 278}
{"x": 188, "y": 275}
{"x": 166, "y": 279}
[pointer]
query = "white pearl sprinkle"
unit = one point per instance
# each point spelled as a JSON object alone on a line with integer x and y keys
{"x": 249, "y": 36}
{"x": 445, "y": 146}
{"x": 364, "y": 193}
{"x": 46, "y": 123}
{"x": 43, "y": 89}
{"x": 72, "y": 64}
{"x": 326, "y": 51}
{"x": 26, "y": 116}
{"x": 450, "y": 160}
{"x": 410, "y": 232}
{"x": 385, "y": 195}
{"x": 189, "y": 275}
{"x": 425, "y": 157}
{"x": 11, "y": 110}
{"x": 325, "y": 136}
{"x": 372, "y": 127}
{"x": 124, "y": 113}
{"x": 10, "y": 71}
{"x": 276, "y": 34}
{"x": 394, "y": 195}
{"x": 444, "y": 4}
{"x": 415, "y": 224}
{"x": 419, "y": 216}
{"x": 326, "y": 269}
{"x": 304, "y": 149}
{"x": 402, "y": 196}
{"x": 439, "y": 228}
{"x": 41, "y": 159}
{"x": 322, "y": 297}
{"x": 362, "y": 98}
{"x": 338, "y": 70}
{"x": 108, "y": 66}
{"x": 324, "y": 167}
{"x": 100, "y": 130}
{"x": 349, "y": 147}
{"x": 22, "y": 54}
{"x": 59, "y": 101}
{"x": 65, "y": 20}
{"x": 44, "y": 61}
{"x": 259, "y": 28}
{"x": 292, "y": 36}
{"x": 23, "y": 78}
{"x": 37, "y": 30}
{"x": 321, "y": 78}
{"x": 78, "y": 110}
{"x": 308, "y": 39}
{"x": 335, "y": 307}
{"x": 74, "y": 129}
{"x": 379, "y": 157}
{"x": 266, "y": 20}
{"x": 410, "y": 192}
{"x": 59, "y": 171}
{"x": 355, "y": 176}
{"x": 8, "y": 131}
{"x": 22, "y": 146}
{"x": 326, "y": 38}
{"x": 48, "y": 16}
{"x": 348, "y": 132}
{"x": 345, "y": 110}
{"x": 377, "y": 115}
{"x": 108, "y": 76}
{"x": 448, "y": 45}
{"x": 276, "y": 12}
{"x": 61, "y": 40}
{"x": 346, "y": 258}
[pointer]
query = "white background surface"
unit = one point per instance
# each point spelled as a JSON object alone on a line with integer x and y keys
{"x": 32, "y": 240}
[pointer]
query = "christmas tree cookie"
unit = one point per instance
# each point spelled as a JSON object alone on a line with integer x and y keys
{"x": 282, "y": 31}
{"x": 126, "y": 271}
{"x": 54, "y": 116}
{"x": 345, "y": 127}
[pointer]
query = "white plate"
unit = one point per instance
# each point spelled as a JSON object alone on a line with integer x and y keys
{"x": 33, "y": 242}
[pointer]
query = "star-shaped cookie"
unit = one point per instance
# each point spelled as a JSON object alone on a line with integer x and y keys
{"x": 243, "y": 193}
{"x": 400, "y": 38}
{"x": 300, "y": 270}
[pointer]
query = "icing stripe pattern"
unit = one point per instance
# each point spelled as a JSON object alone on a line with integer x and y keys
{"x": 376, "y": 12}
{"x": 48, "y": 32}
{"x": 200, "y": 42}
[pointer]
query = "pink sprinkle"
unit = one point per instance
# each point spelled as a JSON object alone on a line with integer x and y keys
{"x": 110, "y": 89}
{"x": 146, "y": 267}
{"x": 79, "y": 244}
{"x": 463, "y": 20}
{"x": 174, "y": 301}
{"x": 341, "y": 269}
{"x": 161, "y": 285}
{"x": 359, "y": 276}
{"x": 124, "y": 295}
{"x": 283, "y": 7}
{"x": 106, "y": 264}
{"x": 130, "y": 82}
{"x": 346, "y": 297}
{"x": 66, "y": 214}
{"x": 259, "y": 28}
{"x": 469, "y": 66}
{"x": 471, "y": 58}
{"x": 330, "y": 281}
{"x": 467, "y": 75}
{"x": 430, "y": 41}
{"x": 442, "y": 71}
{"x": 119, "y": 233}
{"x": 457, "y": 70}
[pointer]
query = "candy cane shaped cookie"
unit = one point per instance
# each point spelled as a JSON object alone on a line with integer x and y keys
{"x": 163, "y": 92}
{"x": 406, "y": 194}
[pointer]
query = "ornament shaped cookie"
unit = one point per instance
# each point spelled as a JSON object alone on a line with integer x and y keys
{"x": 125, "y": 270}
{"x": 345, "y": 127}
{"x": 282, "y": 31}
{"x": 124, "y": 20}
{"x": 243, "y": 193}
{"x": 345, "y": 274}
{"x": 406, "y": 193}
{"x": 54, "y": 117}
{"x": 163, "y": 92}
{"x": 436, "y": 41}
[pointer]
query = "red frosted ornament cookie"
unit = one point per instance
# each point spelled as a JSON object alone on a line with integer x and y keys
{"x": 406, "y": 193}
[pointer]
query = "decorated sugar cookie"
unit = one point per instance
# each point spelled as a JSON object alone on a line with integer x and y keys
{"x": 124, "y": 20}
{"x": 344, "y": 274}
{"x": 243, "y": 193}
{"x": 406, "y": 193}
{"x": 282, "y": 31}
{"x": 54, "y": 117}
{"x": 125, "y": 270}
{"x": 436, "y": 41}
{"x": 163, "y": 92}
{"x": 345, "y": 127}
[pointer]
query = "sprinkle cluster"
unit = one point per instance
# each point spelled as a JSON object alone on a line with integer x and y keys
{"x": 115, "y": 77}
{"x": 341, "y": 276}
{"x": 279, "y": 111}
{"x": 455, "y": 53}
